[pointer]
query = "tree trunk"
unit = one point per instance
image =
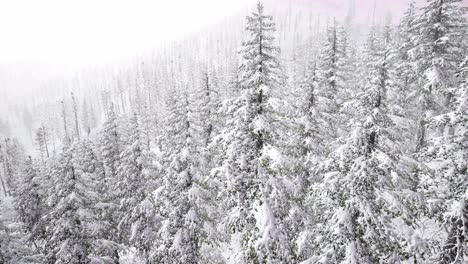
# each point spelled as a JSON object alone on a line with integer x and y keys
{"x": 421, "y": 134}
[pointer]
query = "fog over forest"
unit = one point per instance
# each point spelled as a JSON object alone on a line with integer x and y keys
{"x": 41, "y": 62}
{"x": 234, "y": 131}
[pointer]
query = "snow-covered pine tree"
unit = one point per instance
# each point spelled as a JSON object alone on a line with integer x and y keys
{"x": 41, "y": 142}
{"x": 439, "y": 33}
{"x": 402, "y": 60}
{"x": 102, "y": 207}
{"x": 138, "y": 222}
{"x": 30, "y": 201}
{"x": 208, "y": 103}
{"x": 130, "y": 170}
{"x": 75, "y": 116}
{"x": 404, "y": 44}
{"x": 15, "y": 243}
{"x": 111, "y": 146}
{"x": 254, "y": 192}
{"x": 331, "y": 74}
{"x": 86, "y": 117}
{"x": 368, "y": 185}
{"x": 306, "y": 145}
{"x": 110, "y": 151}
{"x": 447, "y": 188}
{"x": 106, "y": 103}
{"x": 187, "y": 227}
{"x": 313, "y": 124}
{"x": 170, "y": 142}
{"x": 147, "y": 124}
{"x": 64, "y": 116}
{"x": 183, "y": 228}
{"x": 347, "y": 62}
{"x": 67, "y": 234}
{"x": 208, "y": 121}
{"x": 12, "y": 156}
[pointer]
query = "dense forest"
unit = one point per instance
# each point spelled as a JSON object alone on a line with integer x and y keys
{"x": 348, "y": 147}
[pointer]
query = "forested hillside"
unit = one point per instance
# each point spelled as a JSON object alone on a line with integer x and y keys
{"x": 347, "y": 145}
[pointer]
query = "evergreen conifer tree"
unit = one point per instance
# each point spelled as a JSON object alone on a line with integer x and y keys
{"x": 256, "y": 203}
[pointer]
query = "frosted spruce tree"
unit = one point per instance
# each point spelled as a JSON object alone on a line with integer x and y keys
{"x": 254, "y": 192}
{"x": 332, "y": 76}
{"x": 208, "y": 103}
{"x": 310, "y": 134}
{"x": 405, "y": 81}
{"x": 130, "y": 179}
{"x": 439, "y": 48}
{"x": 12, "y": 156}
{"x": 110, "y": 149}
{"x": 111, "y": 145}
{"x": 102, "y": 230}
{"x": 368, "y": 186}
{"x": 67, "y": 237}
{"x": 308, "y": 142}
{"x": 30, "y": 202}
{"x": 86, "y": 117}
{"x": 77, "y": 130}
{"x": 41, "y": 141}
{"x": 137, "y": 218}
{"x": 208, "y": 121}
{"x": 187, "y": 226}
{"x": 14, "y": 238}
{"x": 446, "y": 188}
{"x": 404, "y": 45}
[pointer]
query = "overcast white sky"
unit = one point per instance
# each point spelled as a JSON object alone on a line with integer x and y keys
{"x": 78, "y": 33}
{"x": 96, "y": 31}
